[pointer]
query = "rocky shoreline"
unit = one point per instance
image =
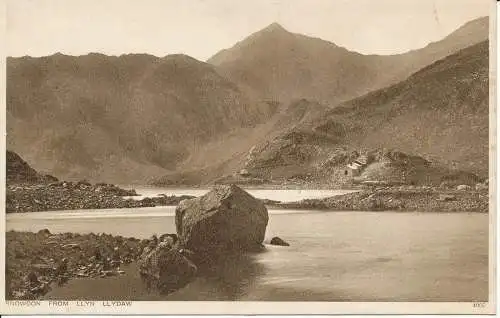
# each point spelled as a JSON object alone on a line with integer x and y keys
{"x": 29, "y": 191}
{"x": 77, "y": 195}
{"x": 56, "y": 196}
{"x": 401, "y": 199}
{"x": 38, "y": 262}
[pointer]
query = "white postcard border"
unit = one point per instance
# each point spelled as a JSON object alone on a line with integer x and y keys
{"x": 261, "y": 307}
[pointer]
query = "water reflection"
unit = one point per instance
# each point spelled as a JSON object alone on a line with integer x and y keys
{"x": 228, "y": 277}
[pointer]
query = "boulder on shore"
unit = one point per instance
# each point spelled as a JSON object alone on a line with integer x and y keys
{"x": 164, "y": 269}
{"x": 44, "y": 232}
{"x": 278, "y": 241}
{"x": 226, "y": 218}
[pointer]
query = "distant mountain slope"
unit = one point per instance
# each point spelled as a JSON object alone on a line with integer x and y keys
{"x": 470, "y": 33}
{"x": 228, "y": 154}
{"x": 276, "y": 64}
{"x": 119, "y": 119}
{"x": 439, "y": 113}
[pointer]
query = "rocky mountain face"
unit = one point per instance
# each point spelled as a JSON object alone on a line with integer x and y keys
{"x": 439, "y": 113}
{"x": 19, "y": 171}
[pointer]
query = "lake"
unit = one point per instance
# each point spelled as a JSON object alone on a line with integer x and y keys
{"x": 278, "y": 195}
{"x": 334, "y": 256}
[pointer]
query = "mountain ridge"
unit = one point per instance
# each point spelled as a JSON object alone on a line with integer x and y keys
{"x": 480, "y": 21}
{"x": 133, "y": 117}
{"x": 277, "y": 64}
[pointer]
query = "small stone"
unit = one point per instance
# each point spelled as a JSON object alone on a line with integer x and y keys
{"x": 447, "y": 197}
{"x": 278, "y": 241}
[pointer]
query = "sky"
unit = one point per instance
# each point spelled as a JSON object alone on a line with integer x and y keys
{"x": 200, "y": 28}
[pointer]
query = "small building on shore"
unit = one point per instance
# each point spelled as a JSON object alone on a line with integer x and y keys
{"x": 356, "y": 167}
{"x": 244, "y": 173}
{"x": 362, "y": 160}
{"x": 353, "y": 169}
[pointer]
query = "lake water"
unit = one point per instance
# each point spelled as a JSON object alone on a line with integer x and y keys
{"x": 334, "y": 256}
{"x": 278, "y": 195}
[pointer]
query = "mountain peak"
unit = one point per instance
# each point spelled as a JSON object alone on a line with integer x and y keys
{"x": 275, "y": 26}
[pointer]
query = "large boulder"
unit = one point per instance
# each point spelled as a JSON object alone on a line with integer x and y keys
{"x": 226, "y": 218}
{"x": 164, "y": 269}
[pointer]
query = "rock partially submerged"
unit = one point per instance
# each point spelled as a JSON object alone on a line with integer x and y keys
{"x": 278, "y": 241}
{"x": 226, "y": 218}
{"x": 164, "y": 268}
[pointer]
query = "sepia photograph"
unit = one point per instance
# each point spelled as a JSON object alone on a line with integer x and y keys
{"x": 249, "y": 157}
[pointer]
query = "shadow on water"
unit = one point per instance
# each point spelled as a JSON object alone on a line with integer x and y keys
{"x": 227, "y": 277}
{"x": 230, "y": 277}
{"x": 233, "y": 277}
